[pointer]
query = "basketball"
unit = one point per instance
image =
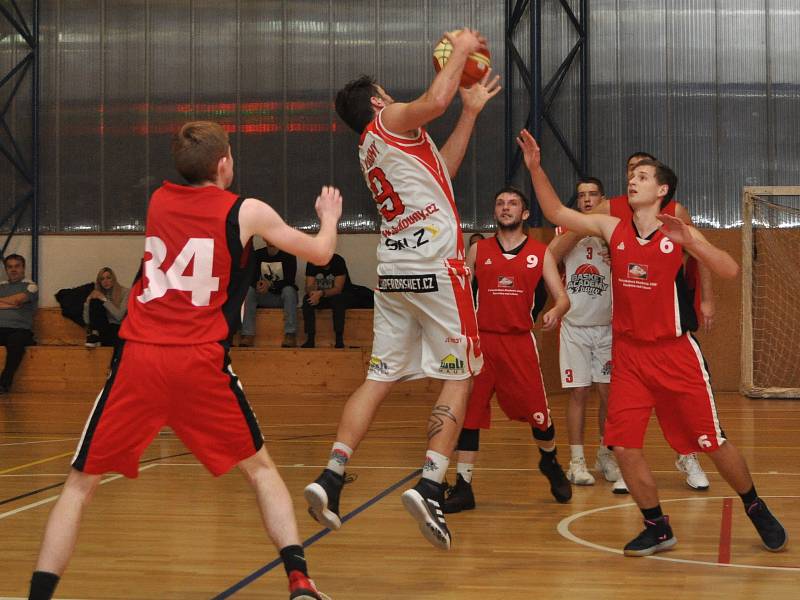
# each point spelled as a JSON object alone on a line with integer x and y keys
{"x": 477, "y": 64}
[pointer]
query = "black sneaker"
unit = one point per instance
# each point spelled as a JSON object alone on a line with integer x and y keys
{"x": 323, "y": 499}
{"x": 773, "y": 535}
{"x": 560, "y": 486}
{"x": 92, "y": 340}
{"x": 458, "y": 497}
{"x": 309, "y": 343}
{"x": 424, "y": 502}
{"x": 656, "y": 537}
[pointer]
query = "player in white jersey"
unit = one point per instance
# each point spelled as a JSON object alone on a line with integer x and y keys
{"x": 424, "y": 318}
{"x": 585, "y": 337}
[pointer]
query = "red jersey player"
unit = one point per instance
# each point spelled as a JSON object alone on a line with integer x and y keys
{"x": 508, "y": 268}
{"x": 172, "y": 366}
{"x": 424, "y": 317}
{"x": 657, "y": 363}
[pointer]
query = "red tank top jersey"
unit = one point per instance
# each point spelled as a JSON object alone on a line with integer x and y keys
{"x": 619, "y": 207}
{"x": 507, "y": 286}
{"x": 651, "y": 301}
{"x": 195, "y": 272}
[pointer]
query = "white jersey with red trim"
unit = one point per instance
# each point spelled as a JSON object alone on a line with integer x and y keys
{"x": 587, "y": 279}
{"x": 411, "y": 186}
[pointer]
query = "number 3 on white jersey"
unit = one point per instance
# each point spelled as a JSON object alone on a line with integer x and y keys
{"x": 201, "y": 283}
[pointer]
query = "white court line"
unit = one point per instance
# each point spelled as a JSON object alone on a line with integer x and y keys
{"x": 49, "y": 499}
{"x": 563, "y": 529}
{"x": 35, "y": 475}
{"x": 39, "y": 442}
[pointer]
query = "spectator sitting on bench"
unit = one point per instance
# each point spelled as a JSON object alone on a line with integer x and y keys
{"x": 273, "y": 287}
{"x": 104, "y": 309}
{"x": 18, "y": 298}
{"x": 329, "y": 286}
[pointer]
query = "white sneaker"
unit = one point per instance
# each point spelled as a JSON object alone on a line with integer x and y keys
{"x": 695, "y": 476}
{"x": 619, "y": 486}
{"x": 578, "y": 473}
{"x": 607, "y": 464}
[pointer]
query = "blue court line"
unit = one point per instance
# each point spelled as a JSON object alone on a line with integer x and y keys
{"x": 315, "y": 538}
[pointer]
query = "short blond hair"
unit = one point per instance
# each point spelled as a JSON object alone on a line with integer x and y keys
{"x": 197, "y": 149}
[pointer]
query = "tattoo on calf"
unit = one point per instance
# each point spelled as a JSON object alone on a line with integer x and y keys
{"x": 436, "y": 421}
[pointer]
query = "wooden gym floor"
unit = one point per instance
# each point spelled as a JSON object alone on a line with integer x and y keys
{"x": 177, "y": 532}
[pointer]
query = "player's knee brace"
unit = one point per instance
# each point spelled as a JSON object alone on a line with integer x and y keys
{"x": 469, "y": 440}
{"x": 547, "y": 435}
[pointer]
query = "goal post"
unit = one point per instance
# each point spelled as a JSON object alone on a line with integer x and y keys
{"x": 770, "y": 356}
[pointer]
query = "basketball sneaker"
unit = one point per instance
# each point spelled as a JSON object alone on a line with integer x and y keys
{"x": 578, "y": 473}
{"x": 458, "y": 497}
{"x": 690, "y": 466}
{"x": 93, "y": 340}
{"x": 559, "y": 484}
{"x": 607, "y": 464}
{"x": 773, "y": 535}
{"x": 302, "y": 588}
{"x": 323, "y": 499}
{"x": 424, "y": 502}
{"x": 620, "y": 487}
{"x": 656, "y": 537}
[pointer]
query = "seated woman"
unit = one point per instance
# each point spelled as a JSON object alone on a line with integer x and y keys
{"x": 104, "y": 309}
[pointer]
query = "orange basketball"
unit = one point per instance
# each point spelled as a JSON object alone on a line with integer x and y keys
{"x": 477, "y": 64}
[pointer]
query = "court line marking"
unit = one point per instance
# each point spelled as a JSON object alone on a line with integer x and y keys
{"x": 49, "y": 499}
{"x": 563, "y": 530}
{"x": 36, "y": 462}
{"x": 39, "y": 442}
{"x": 724, "y": 554}
{"x": 315, "y": 538}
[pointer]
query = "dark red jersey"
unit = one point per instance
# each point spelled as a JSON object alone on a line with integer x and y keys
{"x": 507, "y": 285}
{"x": 651, "y": 300}
{"x": 619, "y": 207}
{"x": 195, "y": 272}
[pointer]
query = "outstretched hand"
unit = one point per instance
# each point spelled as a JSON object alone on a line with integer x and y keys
{"x": 675, "y": 229}
{"x": 475, "y": 97}
{"x": 467, "y": 40}
{"x": 531, "y": 152}
{"x": 329, "y": 203}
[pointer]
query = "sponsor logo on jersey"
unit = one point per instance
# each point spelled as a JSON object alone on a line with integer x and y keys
{"x": 587, "y": 280}
{"x": 451, "y": 365}
{"x": 621, "y": 246}
{"x": 409, "y": 220}
{"x": 505, "y": 281}
{"x": 377, "y": 366}
{"x": 418, "y": 284}
{"x": 637, "y": 271}
{"x": 369, "y": 159}
{"x": 488, "y": 261}
{"x": 452, "y": 340}
{"x": 606, "y": 370}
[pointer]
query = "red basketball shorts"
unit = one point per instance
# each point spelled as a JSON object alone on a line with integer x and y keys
{"x": 510, "y": 370}
{"x": 671, "y": 377}
{"x": 191, "y": 389}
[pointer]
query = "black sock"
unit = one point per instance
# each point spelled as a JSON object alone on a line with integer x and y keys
{"x": 43, "y": 584}
{"x": 651, "y": 514}
{"x": 548, "y": 454}
{"x": 749, "y": 497}
{"x": 294, "y": 559}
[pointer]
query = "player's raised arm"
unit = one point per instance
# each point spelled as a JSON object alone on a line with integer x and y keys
{"x": 402, "y": 117}
{"x": 555, "y": 287}
{"x": 707, "y": 305}
{"x": 553, "y": 209}
{"x": 258, "y": 218}
{"x": 473, "y": 99}
{"x": 695, "y": 243}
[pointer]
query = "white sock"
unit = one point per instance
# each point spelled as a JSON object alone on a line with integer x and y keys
{"x": 576, "y": 451}
{"x": 435, "y": 467}
{"x": 465, "y": 470}
{"x": 340, "y": 455}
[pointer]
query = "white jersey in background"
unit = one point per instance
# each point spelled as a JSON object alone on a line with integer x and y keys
{"x": 587, "y": 278}
{"x": 411, "y": 186}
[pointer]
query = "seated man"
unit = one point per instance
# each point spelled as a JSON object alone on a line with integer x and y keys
{"x": 18, "y": 298}
{"x": 273, "y": 287}
{"x": 330, "y": 287}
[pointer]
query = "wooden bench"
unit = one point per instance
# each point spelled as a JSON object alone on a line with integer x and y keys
{"x": 52, "y": 329}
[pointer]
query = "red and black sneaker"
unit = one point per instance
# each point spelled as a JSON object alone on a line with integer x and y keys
{"x": 302, "y": 588}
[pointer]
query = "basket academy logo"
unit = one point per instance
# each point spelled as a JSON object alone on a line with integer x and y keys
{"x": 587, "y": 280}
{"x": 377, "y": 366}
{"x": 450, "y": 365}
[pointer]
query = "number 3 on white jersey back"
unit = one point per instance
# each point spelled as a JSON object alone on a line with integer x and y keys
{"x": 201, "y": 283}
